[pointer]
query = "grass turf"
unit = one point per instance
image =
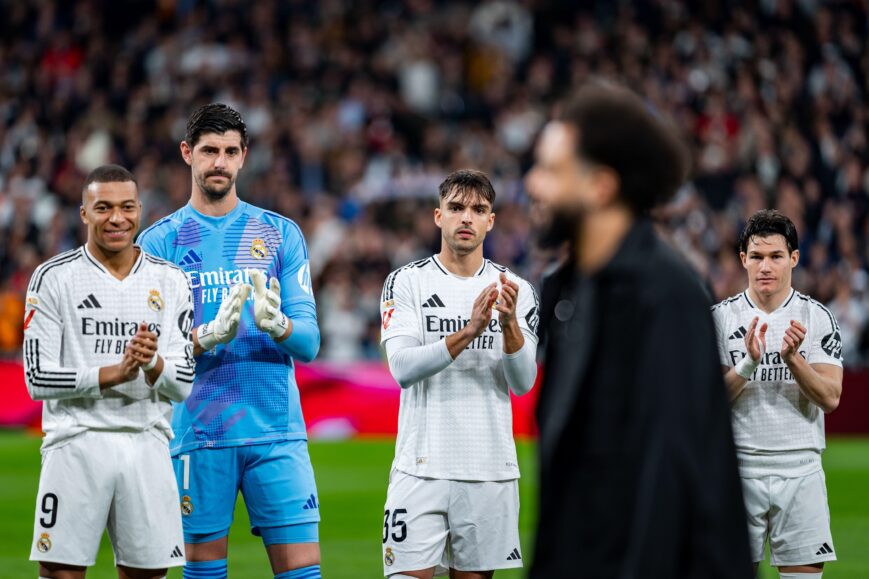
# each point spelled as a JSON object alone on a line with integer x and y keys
{"x": 351, "y": 479}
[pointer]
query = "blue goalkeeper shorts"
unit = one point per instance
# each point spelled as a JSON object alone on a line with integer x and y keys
{"x": 276, "y": 481}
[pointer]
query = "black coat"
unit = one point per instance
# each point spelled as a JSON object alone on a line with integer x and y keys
{"x": 638, "y": 470}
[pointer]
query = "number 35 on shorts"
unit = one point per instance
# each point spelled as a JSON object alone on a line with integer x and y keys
{"x": 394, "y": 527}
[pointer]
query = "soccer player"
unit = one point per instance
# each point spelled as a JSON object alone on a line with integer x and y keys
{"x": 242, "y": 426}
{"x": 107, "y": 346}
{"x": 780, "y": 395}
{"x": 459, "y": 333}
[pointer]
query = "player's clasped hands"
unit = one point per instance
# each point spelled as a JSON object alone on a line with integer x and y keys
{"x": 129, "y": 366}
{"x": 481, "y": 313}
{"x": 267, "y": 305}
{"x": 266, "y": 311}
{"x": 139, "y": 353}
{"x": 755, "y": 344}
{"x": 507, "y": 299}
{"x": 793, "y": 338}
{"x": 223, "y": 328}
{"x": 143, "y": 346}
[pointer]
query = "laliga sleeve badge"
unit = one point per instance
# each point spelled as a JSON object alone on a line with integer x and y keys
{"x": 386, "y": 316}
{"x": 186, "y": 505}
{"x": 389, "y": 557}
{"x": 43, "y": 544}
{"x": 258, "y": 249}
{"x": 27, "y": 319}
{"x": 386, "y": 310}
{"x": 155, "y": 302}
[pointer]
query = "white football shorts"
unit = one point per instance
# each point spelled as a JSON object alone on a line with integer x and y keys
{"x": 464, "y": 525}
{"x": 120, "y": 481}
{"x": 794, "y": 515}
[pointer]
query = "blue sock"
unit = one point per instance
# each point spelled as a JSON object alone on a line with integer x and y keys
{"x": 311, "y": 572}
{"x": 205, "y": 569}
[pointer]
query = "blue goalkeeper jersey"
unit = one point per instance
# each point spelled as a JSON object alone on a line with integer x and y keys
{"x": 244, "y": 392}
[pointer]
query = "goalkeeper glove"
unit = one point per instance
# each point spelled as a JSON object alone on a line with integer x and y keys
{"x": 267, "y": 305}
{"x": 223, "y": 328}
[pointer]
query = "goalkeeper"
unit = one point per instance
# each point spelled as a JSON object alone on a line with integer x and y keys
{"x": 242, "y": 426}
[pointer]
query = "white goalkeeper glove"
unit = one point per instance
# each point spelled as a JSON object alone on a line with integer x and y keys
{"x": 223, "y": 328}
{"x": 267, "y": 305}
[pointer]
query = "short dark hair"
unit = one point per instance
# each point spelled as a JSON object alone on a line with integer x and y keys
{"x": 467, "y": 182}
{"x": 109, "y": 174}
{"x": 215, "y": 118}
{"x": 768, "y": 222}
{"x": 618, "y": 130}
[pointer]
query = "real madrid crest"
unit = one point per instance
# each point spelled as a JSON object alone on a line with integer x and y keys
{"x": 155, "y": 302}
{"x": 186, "y": 505}
{"x": 43, "y": 544}
{"x": 389, "y": 557}
{"x": 258, "y": 249}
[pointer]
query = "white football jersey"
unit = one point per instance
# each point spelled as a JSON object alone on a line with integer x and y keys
{"x": 772, "y": 415}
{"x": 458, "y": 423}
{"x": 79, "y": 317}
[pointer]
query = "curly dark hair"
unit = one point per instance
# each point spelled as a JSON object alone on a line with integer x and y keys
{"x": 617, "y": 129}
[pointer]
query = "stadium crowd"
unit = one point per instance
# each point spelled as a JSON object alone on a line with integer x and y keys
{"x": 356, "y": 111}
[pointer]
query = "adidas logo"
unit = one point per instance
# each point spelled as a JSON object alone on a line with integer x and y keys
{"x": 515, "y": 556}
{"x": 824, "y": 550}
{"x": 311, "y": 503}
{"x": 434, "y": 302}
{"x": 89, "y": 303}
{"x": 191, "y": 258}
{"x": 738, "y": 334}
{"x": 176, "y": 553}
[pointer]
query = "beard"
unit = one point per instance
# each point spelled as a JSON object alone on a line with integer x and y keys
{"x": 213, "y": 192}
{"x": 462, "y": 247}
{"x": 555, "y": 227}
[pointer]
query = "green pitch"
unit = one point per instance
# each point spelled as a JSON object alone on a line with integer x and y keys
{"x": 351, "y": 477}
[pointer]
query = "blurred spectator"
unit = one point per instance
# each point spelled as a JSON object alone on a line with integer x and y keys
{"x": 358, "y": 110}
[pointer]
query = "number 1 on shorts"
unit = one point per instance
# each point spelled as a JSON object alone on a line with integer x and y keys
{"x": 185, "y": 482}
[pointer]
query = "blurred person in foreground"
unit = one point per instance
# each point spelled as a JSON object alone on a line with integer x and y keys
{"x": 638, "y": 469}
{"x": 780, "y": 397}
{"x": 107, "y": 346}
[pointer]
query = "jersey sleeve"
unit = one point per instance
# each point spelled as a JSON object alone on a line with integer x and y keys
{"x": 826, "y": 346}
{"x": 398, "y": 311}
{"x": 410, "y": 362}
{"x": 297, "y": 299}
{"x": 528, "y": 311}
{"x": 151, "y": 242}
{"x": 718, "y": 319}
{"x": 44, "y": 375}
{"x": 176, "y": 380}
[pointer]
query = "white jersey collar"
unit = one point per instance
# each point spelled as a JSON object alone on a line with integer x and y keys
{"x": 136, "y": 266}
{"x": 783, "y": 305}
{"x": 443, "y": 268}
